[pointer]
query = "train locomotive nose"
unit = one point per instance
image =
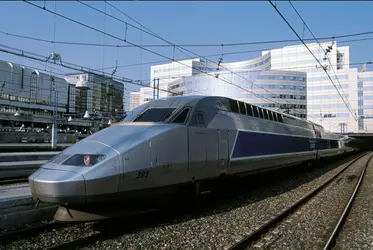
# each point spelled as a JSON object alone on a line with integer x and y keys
{"x": 62, "y": 179}
{"x": 60, "y": 190}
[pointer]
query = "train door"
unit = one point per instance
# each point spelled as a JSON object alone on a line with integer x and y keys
{"x": 223, "y": 151}
{"x": 203, "y": 148}
{"x": 318, "y": 142}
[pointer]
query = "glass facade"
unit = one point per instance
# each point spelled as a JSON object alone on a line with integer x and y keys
{"x": 365, "y": 101}
{"x": 287, "y": 78}
{"x": 325, "y": 104}
{"x": 28, "y": 97}
{"x": 104, "y": 97}
{"x": 282, "y": 90}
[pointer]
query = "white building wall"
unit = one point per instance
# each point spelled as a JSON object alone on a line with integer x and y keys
{"x": 166, "y": 73}
{"x": 134, "y": 100}
{"x": 365, "y": 101}
{"x": 324, "y": 105}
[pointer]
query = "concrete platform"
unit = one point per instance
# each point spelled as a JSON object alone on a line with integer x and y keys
{"x": 17, "y": 207}
{"x": 14, "y": 195}
{"x": 6, "y": 147}
{"x": 22, "y": 164}
{"x": 19, "y": 168}
{"x": 27, "y": 156}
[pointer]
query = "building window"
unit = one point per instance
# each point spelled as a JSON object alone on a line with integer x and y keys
{"x": 340, "y": 61}
{"x": 22, "y": 76}
{"x": 33, "y": 85}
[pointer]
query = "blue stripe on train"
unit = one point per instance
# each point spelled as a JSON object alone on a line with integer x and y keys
{"x": 255, "y": 143}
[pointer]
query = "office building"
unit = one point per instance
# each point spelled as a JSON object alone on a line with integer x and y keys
{"x": 251, "y": 81}
{"x": 31, "y": 99}
{"x": 288, "y": 78}
{"x": 324, "y": 102}
{"x": 101, "y": 96}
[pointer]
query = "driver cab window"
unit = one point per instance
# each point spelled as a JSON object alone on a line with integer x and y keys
{"x": 198, "y": 119}
{"x": 181, "y": 118}
{"x": 155, "y": 115}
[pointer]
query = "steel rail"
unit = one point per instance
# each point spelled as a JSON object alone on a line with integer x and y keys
{"x": 331, "y": 241}
{"x": 8, "y": 237}
{"x": 13, "y": 181}
{"x": 250, "y": 238}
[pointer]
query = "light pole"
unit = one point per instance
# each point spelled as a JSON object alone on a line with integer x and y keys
{"x": 81, "y": 84}
{"x": 54, "y": 116}
{"x": 86, "y": 115}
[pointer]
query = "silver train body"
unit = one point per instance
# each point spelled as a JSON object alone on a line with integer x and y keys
{"x": 179, "y": 140}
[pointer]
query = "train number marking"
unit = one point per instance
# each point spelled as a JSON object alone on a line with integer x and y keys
{"x": 142, "y": 174}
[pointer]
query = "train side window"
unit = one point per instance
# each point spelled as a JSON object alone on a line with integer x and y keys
{"x": 334, "y": 144}
{"x": 200, "y": 119}
{"x": 256, "y": 113}
{"x": 275, "y": 116}
{"x": 242, "y": 108}
{"x": 270, "y": 114}
{"x": 181, "y": 118}
{"x": 234, "y": 106}
{"x": 197, "y": 119}
{"x": 280, "y": 119}
{"x": 249, "y": 109}
{"x": 261, "y": 113}
{"x": 265, "y": 113}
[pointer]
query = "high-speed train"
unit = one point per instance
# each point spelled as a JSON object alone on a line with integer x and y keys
{"x": 176, "y": 141}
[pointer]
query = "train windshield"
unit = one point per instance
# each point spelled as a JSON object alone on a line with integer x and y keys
{"x": 155, "y": 115}
{"x": 130, "y": 115}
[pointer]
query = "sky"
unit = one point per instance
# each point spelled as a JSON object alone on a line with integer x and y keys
{"x": 182, "y": 23}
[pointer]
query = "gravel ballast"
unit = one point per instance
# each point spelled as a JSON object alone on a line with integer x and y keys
{"x": 215, "y": 227}
{"x": 357, "y": 231}
{"x": 225, "y": 225}
{"x": 311, "y": 225}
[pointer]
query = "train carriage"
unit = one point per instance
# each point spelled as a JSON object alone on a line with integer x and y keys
{"x": 178, "y": 141}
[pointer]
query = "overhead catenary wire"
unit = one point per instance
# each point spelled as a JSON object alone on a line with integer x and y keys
{"x": 7, "y": 91}
{"x": 260, "y": 70}
{"x": 290, "y": 26}
{"x": 181, "y": 48}
{"x": 194, "y": 45}
{"x": 206, "y": 58}
{"x": 24, "y": 55}
{"x": 178, "y": 47}
{"x": 167, "y": 45}
{"x": 124, "y": 40}
{"x": 325, "y": 53}
{"x": 162, "y": 61}
{"x": 244, "y": 89}
{"x": 225, "y": 54}
{"x": 46, "y": 77}
{"x": 183, "y": 51}
{"x": 36, "y": 54}
{"x": 80, "y": 69}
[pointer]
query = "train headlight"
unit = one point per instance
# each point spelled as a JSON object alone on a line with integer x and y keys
{"x": 85, "y": 160}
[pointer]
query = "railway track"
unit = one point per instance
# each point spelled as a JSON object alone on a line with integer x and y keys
{"x": 105, "y": 231}
{"x": 29, "y": 231}
{"x": 13, "y": 181}
{"x": 332, "y": 238}
{"x": 254, "y": 236}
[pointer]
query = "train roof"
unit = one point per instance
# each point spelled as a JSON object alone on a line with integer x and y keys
{"x": 173, "y": 101}
{"x": 178, "y": 101}
{"x": 287, "y": 118}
